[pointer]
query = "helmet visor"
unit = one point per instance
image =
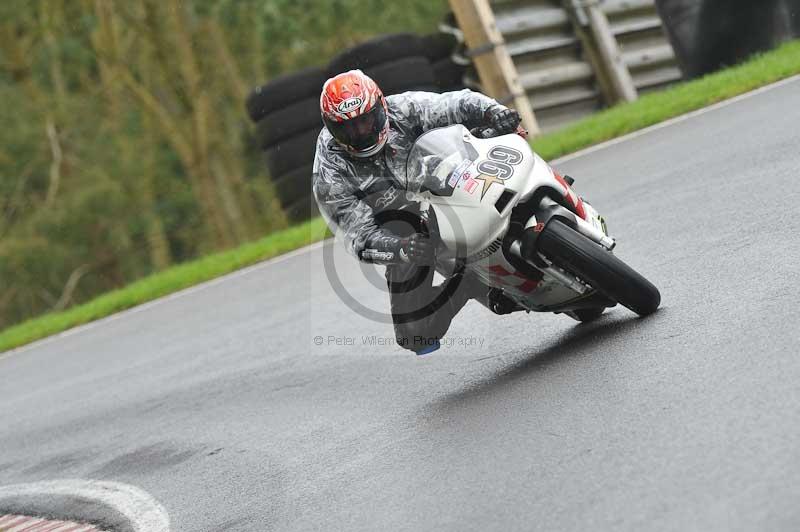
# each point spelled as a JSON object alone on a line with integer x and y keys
{"x": 361, "y": 132}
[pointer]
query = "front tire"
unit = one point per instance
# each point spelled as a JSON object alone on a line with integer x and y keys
{"x": 601, "y": 269}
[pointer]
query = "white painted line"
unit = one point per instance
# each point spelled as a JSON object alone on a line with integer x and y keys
{"x": 316, "y": 245}
{"x": 144, "y": 513}
{"x": 676, "y": 120}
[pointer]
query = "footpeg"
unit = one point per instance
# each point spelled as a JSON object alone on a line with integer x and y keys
{"x": 501, "y": 304}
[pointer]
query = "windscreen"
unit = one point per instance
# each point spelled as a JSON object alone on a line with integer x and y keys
{"x": 438, "y": 159}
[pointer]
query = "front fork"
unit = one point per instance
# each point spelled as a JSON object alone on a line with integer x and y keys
{"x": 593, "y": 228}
{"x": 588, "y": 223}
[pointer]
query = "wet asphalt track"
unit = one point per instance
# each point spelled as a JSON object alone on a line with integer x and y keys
{"x": 219, "y": 404}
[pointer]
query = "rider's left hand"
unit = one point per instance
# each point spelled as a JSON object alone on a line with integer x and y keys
{"x": 504, "y": 120}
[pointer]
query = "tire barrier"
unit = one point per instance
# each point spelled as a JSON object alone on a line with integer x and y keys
{"x": 711, "y": 34}
{"x": 377, "y": 51}
{"x": 284, "y": 91}
{"x": 401, "y": 75}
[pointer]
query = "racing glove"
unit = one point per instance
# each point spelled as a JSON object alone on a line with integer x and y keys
{"x": 503, "y": 120}
{"x": 416, "y": 248}
{"x": 390, "y": 249}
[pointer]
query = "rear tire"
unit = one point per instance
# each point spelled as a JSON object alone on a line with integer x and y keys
{"x": 602, "y": 270}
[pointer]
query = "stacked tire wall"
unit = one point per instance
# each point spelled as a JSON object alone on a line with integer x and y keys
{"x": 448, "y": 64}
{"x": 286, "y": 110}
{"x": 711, "y": 34}
{"x": 286, "y": 113}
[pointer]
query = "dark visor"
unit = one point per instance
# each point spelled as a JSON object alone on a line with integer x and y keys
{"x": 361, "y": 132}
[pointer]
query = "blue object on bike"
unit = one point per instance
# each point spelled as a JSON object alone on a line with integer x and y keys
{"x": 430, "y": 349}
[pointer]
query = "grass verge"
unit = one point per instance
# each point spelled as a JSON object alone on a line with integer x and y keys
{"x": 611, "y": 123}
{"x": 657, "y": 107}
{"x": 163, "y": 283}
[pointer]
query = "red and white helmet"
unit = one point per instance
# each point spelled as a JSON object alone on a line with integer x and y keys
{"x": 354, "y": 111}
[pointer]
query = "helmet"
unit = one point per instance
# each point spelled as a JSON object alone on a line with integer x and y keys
{"x": 354, "y": 111}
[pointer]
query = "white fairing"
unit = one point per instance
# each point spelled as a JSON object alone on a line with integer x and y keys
{"x": 468, "y": 177}
{"x": 468, "y": 219}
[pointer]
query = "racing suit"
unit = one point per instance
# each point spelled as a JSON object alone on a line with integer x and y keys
{"x": 360, "y": 199}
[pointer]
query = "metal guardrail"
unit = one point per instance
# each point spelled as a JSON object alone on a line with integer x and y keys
{"x": 555, "y": 69}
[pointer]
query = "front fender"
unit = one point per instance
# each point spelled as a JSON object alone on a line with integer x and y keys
{"x": 548, "y": 210}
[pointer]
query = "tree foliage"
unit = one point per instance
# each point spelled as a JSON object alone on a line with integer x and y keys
{"x": 125, "y": 147}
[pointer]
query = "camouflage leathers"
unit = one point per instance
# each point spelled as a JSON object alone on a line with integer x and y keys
{"x": 351, "y": 191}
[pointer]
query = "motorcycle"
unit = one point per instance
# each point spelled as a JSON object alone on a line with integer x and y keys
{"x": 503, "y": 214}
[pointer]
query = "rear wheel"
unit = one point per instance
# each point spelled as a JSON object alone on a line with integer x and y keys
{"x": 573, "y": 252}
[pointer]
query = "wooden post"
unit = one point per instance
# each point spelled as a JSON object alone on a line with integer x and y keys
{"x": 604, "y": 50}
{"x": 580, "y": 25}
{"x": 487, "y": 49}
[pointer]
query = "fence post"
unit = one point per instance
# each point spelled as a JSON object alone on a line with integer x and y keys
{"x": 604, "y": 51}
{"x": 487, "y": 49}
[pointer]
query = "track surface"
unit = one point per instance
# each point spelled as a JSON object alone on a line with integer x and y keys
{"x": 220, "y": 405}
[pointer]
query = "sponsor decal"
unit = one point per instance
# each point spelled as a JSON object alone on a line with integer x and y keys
{"x": 459, "y": 173}
{"x": 471, "y": 185}
{"x": 571, "y": 197}
{"x": 350, "y": 104}
{"x": 498, "y": 167}
{"x": 603, "y": 225}
{"x": 538, "y": 228}
{"x": 505, "y": 277}
{"x": 387, "y": 198}
{"x": 374, "y": 254}
{"x": 488, "y": 252}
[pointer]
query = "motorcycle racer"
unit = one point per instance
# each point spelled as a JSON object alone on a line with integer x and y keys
{"x": 359, "y": 184}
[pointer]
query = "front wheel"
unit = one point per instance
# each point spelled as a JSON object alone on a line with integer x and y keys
{"x": 598, "y": 267}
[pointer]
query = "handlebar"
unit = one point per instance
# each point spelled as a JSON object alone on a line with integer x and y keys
{"x": 483, "y": 132}
{"x": 486, "y": 132}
